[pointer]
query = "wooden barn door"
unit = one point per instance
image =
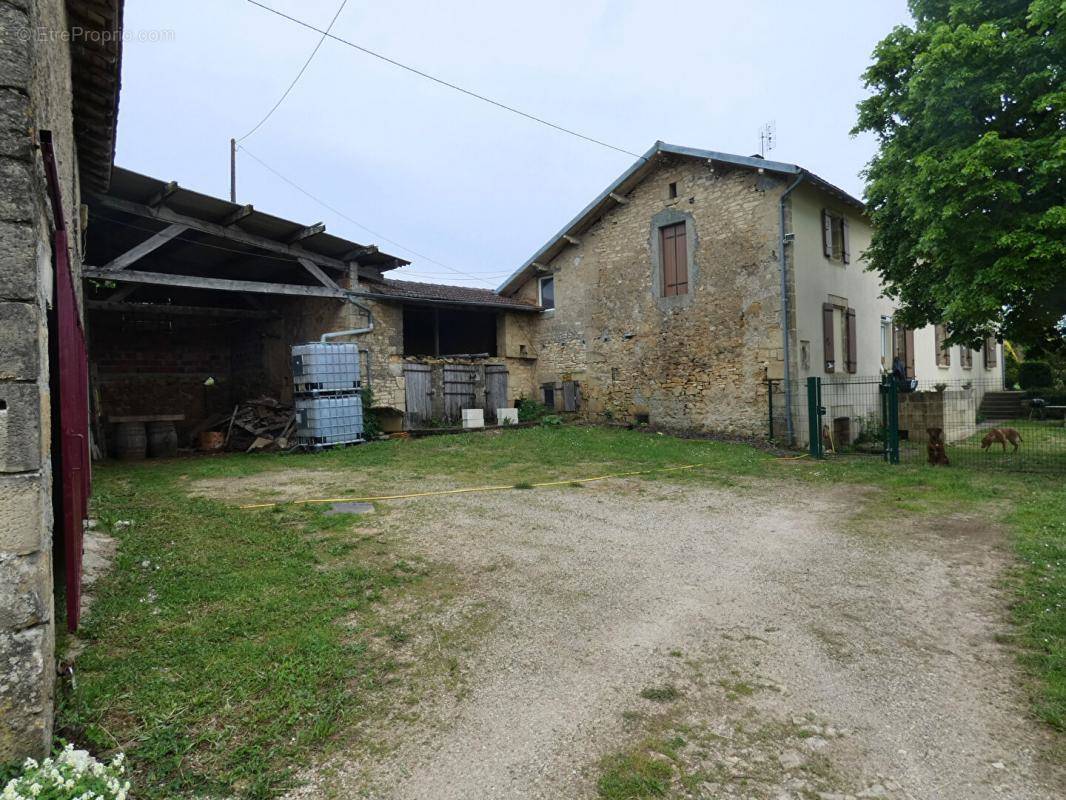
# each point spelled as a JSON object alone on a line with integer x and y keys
{"x": 460, "y": 382}
{"x": 418, "y": 394}
{"x": 495, "y": 390}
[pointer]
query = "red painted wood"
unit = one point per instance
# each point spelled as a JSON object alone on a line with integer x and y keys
{"x": 72, "y": 478}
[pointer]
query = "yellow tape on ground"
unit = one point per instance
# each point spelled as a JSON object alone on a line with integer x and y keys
{"x": 470, "y": 489}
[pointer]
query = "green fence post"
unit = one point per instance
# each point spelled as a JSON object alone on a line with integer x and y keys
{"x": 892, "y": 428}
{"x": 814, "y": 416}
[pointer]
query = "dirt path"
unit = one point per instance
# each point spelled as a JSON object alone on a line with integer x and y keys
{"x": 811, "y": 658}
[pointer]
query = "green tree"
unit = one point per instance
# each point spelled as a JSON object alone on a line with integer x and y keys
{"x": 968, "y": 189}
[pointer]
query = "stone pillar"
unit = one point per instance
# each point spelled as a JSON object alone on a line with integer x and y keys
{"x": 34, "y": 93}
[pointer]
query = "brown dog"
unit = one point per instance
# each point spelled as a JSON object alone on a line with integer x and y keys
{"x": 1002, "y": 436}
{"x": 935, "y": 448}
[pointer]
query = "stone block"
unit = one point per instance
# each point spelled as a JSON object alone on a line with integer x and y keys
{"x": 27, "y": 682}
{"x": 15, "y": 123}
{"x": 507, "y": 416}
{"x": 16, "y": 189}
{"x": 21, "y": 513}
{"x": 15, "y": 35}
{"x": 20, "y": 427}
{"x": 25, "y": 590}
{"x": 18, "y": 261}
{"x": 473, "y": 418}
{"x": 20, "y": 334}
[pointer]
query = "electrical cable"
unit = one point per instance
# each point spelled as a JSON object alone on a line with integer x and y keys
{"x": 443, "y": 82}
{"x": 298, "y": 74}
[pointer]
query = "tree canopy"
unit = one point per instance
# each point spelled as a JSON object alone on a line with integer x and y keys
{"x": 967, "y": 191}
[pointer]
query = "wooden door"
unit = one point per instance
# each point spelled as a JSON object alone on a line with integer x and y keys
{"x": 419, "y": 395}
{"x": 495, "y": 390}
{"x": 460, "y": 382}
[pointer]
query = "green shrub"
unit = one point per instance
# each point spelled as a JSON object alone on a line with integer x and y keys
{"x": 530, "y": 410}
{"x": 1034, "y": 375}
{"x": 371, "y": 422}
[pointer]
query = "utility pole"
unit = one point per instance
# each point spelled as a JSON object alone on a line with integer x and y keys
{"x": 233, "y": 170}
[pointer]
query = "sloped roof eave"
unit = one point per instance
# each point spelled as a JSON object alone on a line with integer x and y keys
{"x": 634, "y": 175}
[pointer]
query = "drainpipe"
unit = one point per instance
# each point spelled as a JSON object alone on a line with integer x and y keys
{"x": 785, "y": 315}
{"x": 355, "y": 332}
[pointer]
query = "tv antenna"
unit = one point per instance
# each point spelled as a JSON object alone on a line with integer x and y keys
{"x": 767, "y": 137}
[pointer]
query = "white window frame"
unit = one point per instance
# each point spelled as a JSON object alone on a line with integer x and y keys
{"x": 540, "y": 291}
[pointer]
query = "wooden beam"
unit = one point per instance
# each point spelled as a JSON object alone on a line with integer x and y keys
{"x": 164, "y": 214}
{"x": 317, "y": 272}
{"x": 306, "y": 233}
{"x": 222, "y": 284}
{"x": 162, "y": 309}
{"x": 571, "y": 239}
{"x": 354, "y": 254}
{"x": 122, "y": 292}
{"x": 149, "y": 245}
{"x": 618, "y": 198}
{"x": 159, "y": 197}
{"x": 236, "y": 216}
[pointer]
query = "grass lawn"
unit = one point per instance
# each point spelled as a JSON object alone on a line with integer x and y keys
{"x": 229, "y": 647}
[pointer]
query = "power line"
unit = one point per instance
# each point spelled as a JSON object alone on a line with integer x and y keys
{"x": 298, "y": 74}
{"x": 355, "y": 222}
{"x": 443, "y": 82}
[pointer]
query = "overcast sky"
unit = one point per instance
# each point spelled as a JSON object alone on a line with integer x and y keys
{"x": 458, "y": 181}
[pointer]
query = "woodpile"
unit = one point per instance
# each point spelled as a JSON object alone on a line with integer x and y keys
{"x": 260, "y": 424}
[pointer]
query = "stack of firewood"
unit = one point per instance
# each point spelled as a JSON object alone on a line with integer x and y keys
{"x": 260, "y": 424}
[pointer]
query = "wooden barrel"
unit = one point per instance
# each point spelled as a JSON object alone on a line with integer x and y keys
{"x": 162, "y": 439}
{"x": 130, "y": 441}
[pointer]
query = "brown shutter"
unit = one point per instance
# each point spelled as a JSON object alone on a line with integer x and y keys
{"x": 847, "y": 240}
{"x": 938, "y": 342}
{"x": 827, "y": 234}
{"x": 681, "y": 258}
{"x": 828, "y": 340}
{"x": 908, "y": 336}
{"x": 965, "y": 357}
{"x": 852, "y": 345}
{"x": 990, "y": 352}
{"x": 669, "y": 257}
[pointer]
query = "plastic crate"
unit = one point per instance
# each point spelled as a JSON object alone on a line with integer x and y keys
{"x": 323, "y": 421}
{"x": 325, "y": 367}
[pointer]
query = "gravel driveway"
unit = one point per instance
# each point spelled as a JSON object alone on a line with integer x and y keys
{"x": 813, "y": 657}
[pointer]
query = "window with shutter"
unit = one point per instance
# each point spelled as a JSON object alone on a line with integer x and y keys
{"x": 943, "y": 351}
{"x": 827, "y": 234}
{"x": 673, "y": 247}
{"x": 851, "y": 349}
{"x": 547, "y": 292}
{"x": 836, "y": 237}
{"x": 828, "y": 337}
{"x": 990, "y": 352}
{"x": 548, "y": 390}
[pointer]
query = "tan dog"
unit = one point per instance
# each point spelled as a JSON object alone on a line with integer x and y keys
{"x": 1002, "y": 436}
{"x": 935, "y": 448}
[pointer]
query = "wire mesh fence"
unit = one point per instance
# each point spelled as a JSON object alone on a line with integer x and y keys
{"x": 957, "y": 422}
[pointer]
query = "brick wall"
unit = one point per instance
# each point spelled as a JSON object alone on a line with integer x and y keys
{"x": 692, "y": 362}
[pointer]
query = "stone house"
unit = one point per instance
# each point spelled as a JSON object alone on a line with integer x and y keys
{"x": 694, "y": 278}
{"x": 59, "y": 86}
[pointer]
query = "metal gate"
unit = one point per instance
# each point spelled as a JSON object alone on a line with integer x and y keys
{"x": 460, "y": 390}
{"x": 495, "y": 390}
{"x": 418, "y": 394}
{"x": 71, "y": 388}
{"x": 884, "y": 406}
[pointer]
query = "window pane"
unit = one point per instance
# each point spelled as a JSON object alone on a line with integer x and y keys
{"x": 547, "y": 292}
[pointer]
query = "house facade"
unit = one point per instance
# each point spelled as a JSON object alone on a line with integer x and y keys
{"x": 696, "y": 277}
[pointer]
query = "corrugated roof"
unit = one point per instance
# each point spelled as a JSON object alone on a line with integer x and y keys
{"x": 443, "y": 294}
{"x": 636, "y": 173}
{"x": 146, "y": 190}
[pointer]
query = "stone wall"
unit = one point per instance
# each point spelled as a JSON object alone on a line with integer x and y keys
{"x": 35, "y": 93}
{"x": 693, "y": 362}
{"x": 954, "y": 412}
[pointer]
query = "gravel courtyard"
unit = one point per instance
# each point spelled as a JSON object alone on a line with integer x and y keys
{"x": 762, "y": 641}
